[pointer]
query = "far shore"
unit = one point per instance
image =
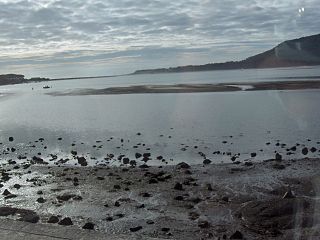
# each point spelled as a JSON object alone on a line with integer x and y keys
{"x": 196, "y": 88}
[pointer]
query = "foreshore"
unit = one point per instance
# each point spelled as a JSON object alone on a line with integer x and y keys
{"x": 195, "y": 88}
{"x": 273, "y": 199}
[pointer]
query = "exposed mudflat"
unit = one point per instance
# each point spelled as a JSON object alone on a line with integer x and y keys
{"x": 274, "y": 199}
{"x": 194, "y": 88}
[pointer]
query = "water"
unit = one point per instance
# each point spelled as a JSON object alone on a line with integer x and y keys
{"x": 175, "y": 126}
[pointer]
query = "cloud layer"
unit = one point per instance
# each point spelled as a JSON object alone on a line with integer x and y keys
{"x": 55, "y": 37}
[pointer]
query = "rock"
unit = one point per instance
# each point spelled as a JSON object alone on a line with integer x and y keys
{"x": 89, "y": 226}
{"x": 41, "y": 200}
{"x": 82, "y": 161}
{"x": 135, "y": 229}
{"x": 11, "y": 139}
{"x": 117, "y": 204}
{"x": 304, "y": 151}
{"x": 66, "y": 222}
{"x": 164, "y": 229}
{"x": 66, "y": 197}
{"x": 179, "y": 198}
{"x": 150, "y": 222}
{"x": 278, "y": 157}
{"x": 203, "y": 224}
{"x": 17, "y": 186}
{"x": 144, "y": 166}
{"x": 138, "y": 155}
{"x": 53, "y": 219}
{"x": 31, "y": 218}
{"x": 125, "y": 160}
{"x": 117, "y": 187}
{"x": 38, "y": 160}
{"x": 178, "y": 186}
{"x": 74, "y": 152}
{"x": 236, "y": 235}
{"x": 6, "y": 192}
{"x": 248, "y": 164}
{"x": 145, "y": 195}
{"x": 207, "y": 161}
{"x": 253, "y": 154}
{"x": 153, "y": 181}
{"x": 209, "y": 187}
{"x": 159, "y": 157}
{"x": 183, "y": 165}
{"x": 313, "y": 149}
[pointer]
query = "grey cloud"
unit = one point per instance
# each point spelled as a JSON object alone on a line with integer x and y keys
{"x": 65, "y": 31}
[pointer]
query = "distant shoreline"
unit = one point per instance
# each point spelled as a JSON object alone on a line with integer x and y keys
{"x": 196, "y": 88}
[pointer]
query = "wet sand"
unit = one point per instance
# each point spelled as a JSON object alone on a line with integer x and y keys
{"x": 249, "y": 200}
{"x": 196, "y": 88}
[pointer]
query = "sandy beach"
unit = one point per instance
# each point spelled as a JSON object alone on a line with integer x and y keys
{"x": 195, "y": 88}
{"x": 274, "y": 199}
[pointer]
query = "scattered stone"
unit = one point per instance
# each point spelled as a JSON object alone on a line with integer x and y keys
{"x": 179, "y": 198}
{"x": 253, "y": 154}
{"x": 53, "y": 219}
{"x": 41, "y": 200}
{"x": 150, "y": 222}
{"x": 207, "y": 161}
{"x": 178, "y": 186}
{"x": 89, "y": 226}
{"x": 11, "y": 139}
{"x": 138, "y": 155}
{"x": 203, "y": 224}
{"x": 304, "y": 151}
{"x": 183, "y": 165}
{"x": 135, "y": 229}
{"x": 164, "y": 229}
{"x": 6, "y": 192}
{"x": 82, "y": 161}
{"x": 278, "y": 157}
{"x": 17, "y": 186}
{"x": 236, "y": 235}
{"x": 66, "y": 222}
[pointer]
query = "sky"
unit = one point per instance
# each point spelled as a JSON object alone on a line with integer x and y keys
{"x": 68, "y": 38}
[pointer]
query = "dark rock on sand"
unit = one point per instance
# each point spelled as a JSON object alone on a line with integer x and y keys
{"x": 82, "y": 161}
{"x": 17, "y": 186}
{"x": 178, "y": 186}
{"x": 206, "y": 161}
{"x": 305, "y": 151}
{"x": 135, "y": 229}
{"x": 11, "y": 139}
{"x": 89, "y": 226}
{"x": 183, "y": 165}
{"x": 6, "y": 192}
{"x": 41, "y": 200}
{"x": 278, "y": 157}
{"x": 125, "y": 160}
{"x": 236, "y": 235}
{"x": 66, "y": 222}
{"x": 138, "y": 155}
{"x": 53, "y": 219}
{"x": 253, "y": 154}
{"x": 203, "y": 224}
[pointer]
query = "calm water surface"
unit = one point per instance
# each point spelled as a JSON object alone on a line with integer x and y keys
{"x": 176, "y": 126}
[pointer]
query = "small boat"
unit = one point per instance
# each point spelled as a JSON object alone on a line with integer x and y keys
{"x": 46, "y": 87}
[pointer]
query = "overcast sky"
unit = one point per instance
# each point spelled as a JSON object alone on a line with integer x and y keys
{"x": 53, "y": 38}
